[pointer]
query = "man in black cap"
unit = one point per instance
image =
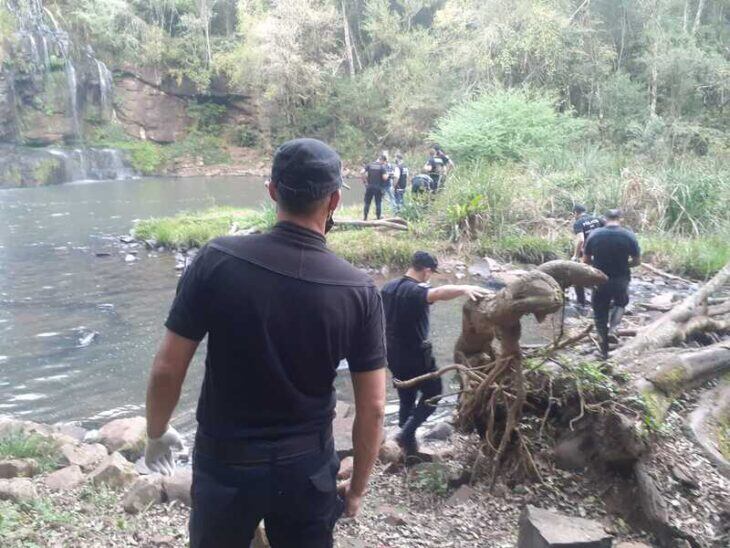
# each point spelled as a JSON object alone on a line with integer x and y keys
{"x": 280, "y": 311}
{"x": 583, "y": 225}
{"x": 614, "y": 250}
{"x": 407, "y": 302}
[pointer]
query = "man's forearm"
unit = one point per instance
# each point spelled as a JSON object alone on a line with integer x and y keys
{"x": 163, "y": 393}
{"x": 367, "y": 434}
{"x": 445, "y": 293}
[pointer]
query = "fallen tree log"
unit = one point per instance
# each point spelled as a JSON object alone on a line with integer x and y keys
{"x": 663, "y": 274}
{"x": 678, "y": 372}
{"x": 670, "y": 328}
{"x": 571, "y": 274}
{"x": 382, "y": 223}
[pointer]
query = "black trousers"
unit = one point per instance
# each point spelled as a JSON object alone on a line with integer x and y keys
{"x": 370, "y": 193}
{"x": 615, "y": 292}
{"x": 418, "y": 412}
{"x": 296, "y": 498}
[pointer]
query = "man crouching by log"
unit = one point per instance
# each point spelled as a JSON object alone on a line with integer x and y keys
{"x": 406, "y": 302}
{"x": 614, "y": 250}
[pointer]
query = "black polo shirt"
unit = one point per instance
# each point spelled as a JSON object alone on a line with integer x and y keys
{"x": 280, "y": 311}
{"x": 610, "y": 248}
{"x": 587, "y": 224}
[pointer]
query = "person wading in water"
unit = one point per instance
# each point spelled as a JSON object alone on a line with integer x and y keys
{"x": 280, "y": 311}
{"x": 613, "y": 250}
{"x": 407, "y": 302}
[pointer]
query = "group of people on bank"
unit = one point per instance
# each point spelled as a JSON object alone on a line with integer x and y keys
{"x": 390, "y": 180}
{"x": 280, "y": 312}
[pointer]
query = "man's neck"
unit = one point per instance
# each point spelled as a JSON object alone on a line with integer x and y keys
{"x": 310, "y": 223}
{"x": 415, "y": 274}
{"x": 612, "y": 223}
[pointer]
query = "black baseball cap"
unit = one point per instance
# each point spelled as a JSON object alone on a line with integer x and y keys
{"x": 306, "y": 168}
{"x": 422, "y": 259}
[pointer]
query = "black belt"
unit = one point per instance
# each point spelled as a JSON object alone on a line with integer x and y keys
{"x": 260, "y": 451}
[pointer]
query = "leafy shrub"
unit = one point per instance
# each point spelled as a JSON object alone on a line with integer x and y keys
{"x": 207, "y": 117}
{"x": 19, "y": 445}
{"x": 209, "y": 148}
{"x": 505, "y": 126}
{"x": 244, "y": 136}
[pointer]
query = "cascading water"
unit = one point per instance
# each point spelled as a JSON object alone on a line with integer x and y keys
{"x": 40, "y": 40}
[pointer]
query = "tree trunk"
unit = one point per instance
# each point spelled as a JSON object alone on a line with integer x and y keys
{"x": 698, "y": 15}
{"x": 348, "y": 42}
{"x": 666, "y": 329}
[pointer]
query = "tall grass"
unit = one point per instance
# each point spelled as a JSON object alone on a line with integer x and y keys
{"x": 19, "y": 445}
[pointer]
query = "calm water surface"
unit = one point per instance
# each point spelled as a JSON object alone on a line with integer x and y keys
{"x": 56, "y": 292}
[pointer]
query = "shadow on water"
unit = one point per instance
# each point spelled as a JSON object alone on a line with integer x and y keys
{"x": 78, "y": 331}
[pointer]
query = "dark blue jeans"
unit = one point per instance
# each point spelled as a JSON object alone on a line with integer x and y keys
{"x": 296, "y": 498}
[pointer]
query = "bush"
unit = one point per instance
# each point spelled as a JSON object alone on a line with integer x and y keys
{"x": 505, "y": 126}
{"x": 207, "y": 117}
{"x": 698, "y": 258}
{"x": 19, "y": 445}
{"x": 209, "y": 148}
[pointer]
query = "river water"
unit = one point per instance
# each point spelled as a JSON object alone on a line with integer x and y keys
{"x": 78, "y": 324}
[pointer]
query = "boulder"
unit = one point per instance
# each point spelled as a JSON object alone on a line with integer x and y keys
{"x": 632, "y": 545}
{"x": 86, "y": 456}
{"x": 71, "y": 430}
{"x": 114, "y": 471}
{"x": 346, "y": 466}
{"x": 17, "y": 490}
{"x": 65, "y": 479}
{"x": 177, "y": 487}
{"x": 546, "y": 529}
{"x": 391, "y": 515}
{"x": 18, "y": 468}
{"x": 441, "y": 431}
{"x": 143, "y": 493}
{"x": 342, "y": 432}
{"x": 390, "y": 452}
{"x": 128, "y": 436}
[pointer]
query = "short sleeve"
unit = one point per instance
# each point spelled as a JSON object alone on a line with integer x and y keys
{"x": 368, "y": 351}
{"x": 577, "y": 227}
{"x": 418, "y": 295}
{"x": 188, "y": 316}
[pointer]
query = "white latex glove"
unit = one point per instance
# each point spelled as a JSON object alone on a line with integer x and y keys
{"x": 158, "y": 453}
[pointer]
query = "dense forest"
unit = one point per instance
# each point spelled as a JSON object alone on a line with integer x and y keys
{"x": 652, "y": 75}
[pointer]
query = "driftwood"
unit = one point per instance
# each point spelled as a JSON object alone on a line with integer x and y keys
{"x": 675, "y": 326}
{"x": 663, "y": 274}
{"x": 394, "y": 224}
{"x": 570, "y": 273}
{"x": 676, "y": 372}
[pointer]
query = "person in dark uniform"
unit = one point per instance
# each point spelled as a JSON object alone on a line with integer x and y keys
{"x": 421, "y": 184}
{"x": 407, "y": 302}
{"x": 280, "y": 312}
{"x": 401, "y": 182}
{"x": 583, "y": 225}
{"x": 375, "y": 177}
{"x": 437, "y": 166}
{"x": 614, "y": 250}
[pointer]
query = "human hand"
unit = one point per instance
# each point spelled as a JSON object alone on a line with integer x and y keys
{"x": 353, "y": 501}
{"x": 475, "y": 292}
{"x": 158, "y": 453}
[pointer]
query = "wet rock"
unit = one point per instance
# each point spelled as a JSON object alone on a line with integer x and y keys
{"x": 546, "y": 529}
{"x": 129, "y": 258}
{"x": 632, "y": 545}
{"x": 65, "y": 479}
{"x": 461, "y": 495}
{"x": 128, "y": 436}
{"x": 114, "y": 471}
{"x": 86, "y": 456}
{"x": 442, "y": 431}
{"x": 346, "y": 467}
{"x": 390, "y": 452}
{"x": 177, "y": 487}
{"x": 18, "y": 468}
{"x": 126, "y": 239}
{"x": 143, "y": 493}
{"x": 342, "y": 432}
{"x": 17, "y": 490}
{"x": 71, "y": 430}
{"x": 572, "y": 451}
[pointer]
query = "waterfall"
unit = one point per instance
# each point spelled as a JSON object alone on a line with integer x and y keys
{"x": 92, "y": 164}
{"x": 105, "y": 87}
{"x": 73, "y": 97}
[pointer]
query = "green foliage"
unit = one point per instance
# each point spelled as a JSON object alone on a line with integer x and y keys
{"x": 522, "y": 247}
{"x": 505, "y": 126}
{"x": 188, "y": 230}
{"x": 146, "y": 157}
{"x": 207, "y": 117}
{"x": 244, "y": 136}
{"x": 433, "y": 478}
{"x": 695, "y": 257}
{"x": 19, "y": 445}
{"x": 209, "y": 148}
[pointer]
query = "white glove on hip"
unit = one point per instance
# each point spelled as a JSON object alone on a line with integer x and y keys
{"x": 158, "y": 454}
